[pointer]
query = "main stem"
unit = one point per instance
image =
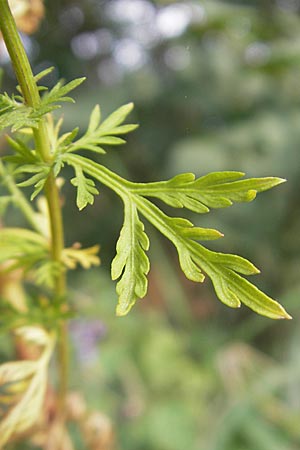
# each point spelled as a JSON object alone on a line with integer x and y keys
{"x": 31, "y": 96}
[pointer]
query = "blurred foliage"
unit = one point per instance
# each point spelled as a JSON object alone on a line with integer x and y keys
{"x": 220, "y": 93}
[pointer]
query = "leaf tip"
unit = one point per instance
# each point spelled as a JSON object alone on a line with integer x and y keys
{"x": 122, "y": 311}
{"x": 286, "y": 315}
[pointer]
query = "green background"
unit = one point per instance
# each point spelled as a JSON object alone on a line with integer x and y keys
{"x": 216, "y": 86}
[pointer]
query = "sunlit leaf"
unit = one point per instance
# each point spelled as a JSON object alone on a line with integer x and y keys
{"x": 215, "y": 190}
{"x": 86, "y": 189}
{"x": 86, "y": 257}
{"x": 225, "y": 270}
{"x": 105, "y": 133}
{"x": 131, "y": 263}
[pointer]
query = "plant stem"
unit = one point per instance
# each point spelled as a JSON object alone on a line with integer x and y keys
{"x": 31, "y": 97}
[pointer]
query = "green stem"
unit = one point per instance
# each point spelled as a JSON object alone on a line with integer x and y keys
{"x": 31, "y": 97}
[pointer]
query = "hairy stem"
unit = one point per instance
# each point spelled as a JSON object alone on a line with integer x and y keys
{"x": 31, "y": 97}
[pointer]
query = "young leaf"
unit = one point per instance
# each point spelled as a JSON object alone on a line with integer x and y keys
{"x": 58, "y": 94}
{"x": 130, "y": 262}
{"x": 24, "y": 154}
{"x": 95, "y": 119}
{"x": 99, "y": 134}
{"x": 43, "y": 73}
{"x": 86, "y": 257}
{"x": 85, "y": 189}
{"x": 116, "y": 118}
{"x": 16, "y": 115}
{"x": 40, "y": 171}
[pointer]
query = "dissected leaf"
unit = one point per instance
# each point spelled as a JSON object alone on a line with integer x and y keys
{"x": 38, "y": 180}
{"x": 131, "y": 262}
{"x": 223, "y": 269}
{"x": 215, "y": 190}
{"x": 85, "y": 189}
{"x": 195, "y": 260}
{"x": 24, "y": 154}
{"x": 22, "y": 390}
{"x": 57, "y": 94}
{"x": 45, "y": 272}
{"x": 117, "y": 117}
{"x": 16, "y": 115}
{"x": 104, "y": 133}
{"x": 22, "y": 248}
{"x": 86, "y": 257}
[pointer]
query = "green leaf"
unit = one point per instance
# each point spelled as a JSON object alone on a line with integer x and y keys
{"x": 30, "y": 251}
{"x": 225, "y": 270}
{"x": 99, "y": 134}
{"x": 23, "y": 248}
{"x": 46, "y": 271}
{"x": 85, "y": 189}
{"x": 67, "y": 138}
{"x": 179, "y": 231}
{"x": 58, "y": 144}
{"x": 58, "y": 94}
{"x": 40, "y": 171}
{"x": 43, "y": 74}
{"x": 37, "y": 78}
{"x": 24, "y": 154}
{"x": 95, "y": 119}
{"x": 40, "y": 312}
{"x": 117, "y": 117}
{"x": 124, "y": 129}
{"x": 215, "y": 190}
{"x": 131, "y": 262}
{"x": 230, "y": 287}
{"x": 16, "y": 115}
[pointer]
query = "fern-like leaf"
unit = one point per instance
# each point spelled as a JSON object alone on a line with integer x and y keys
{"x": 105, "y": 133}
{"x": 22, "y": 388}
{"x": 215, "y": 190}
{"x": 16, "y": 115}
{"x": 223, "y": 269}
{"x": 86, "y": 257}
{"x": 38, "y": 179}
{"x": 58, "y": 94}
{"x": 23, "y": 153}
{"x": 23, "y": 248}
{"x": 86, "y": 189}
{"x": 131, "y": 262}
